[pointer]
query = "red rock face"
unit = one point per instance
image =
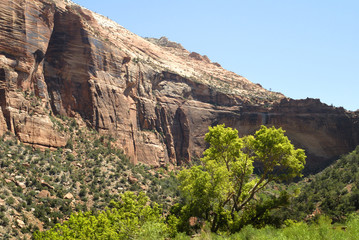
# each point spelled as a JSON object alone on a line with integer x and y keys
{"x": 153, "y": 96}
{"x": 26, "y": 27}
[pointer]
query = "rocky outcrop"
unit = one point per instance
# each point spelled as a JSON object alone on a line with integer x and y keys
{"x": 164, "y": 42}
{"x": 153, "y": 96}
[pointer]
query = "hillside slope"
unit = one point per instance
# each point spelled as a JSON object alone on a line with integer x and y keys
{"x": 333, "y": 192}
{"x": 41, "y": 188}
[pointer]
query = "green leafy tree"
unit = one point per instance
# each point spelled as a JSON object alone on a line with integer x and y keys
{"x": 219, "y": 191}
{"x": 130, "y": 218}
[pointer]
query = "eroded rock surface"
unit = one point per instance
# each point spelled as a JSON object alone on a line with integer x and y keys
{"x": 153, "y": 96}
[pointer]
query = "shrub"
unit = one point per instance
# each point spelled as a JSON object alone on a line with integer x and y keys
{"x": 129, "y": 218}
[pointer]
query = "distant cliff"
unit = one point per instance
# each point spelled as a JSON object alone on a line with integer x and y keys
{"x": 153, "y": 96}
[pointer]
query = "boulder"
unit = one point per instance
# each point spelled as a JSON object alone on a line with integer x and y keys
{"x": 43, "y": 194}
{"x": 69, "y": 196}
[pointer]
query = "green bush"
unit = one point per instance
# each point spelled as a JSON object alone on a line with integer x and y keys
{"x": 129, "y": 218}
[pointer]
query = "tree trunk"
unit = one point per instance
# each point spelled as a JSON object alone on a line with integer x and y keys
{"x": 214, "y": 227}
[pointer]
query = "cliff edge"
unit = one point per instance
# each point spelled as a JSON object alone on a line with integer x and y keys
{"x": 152, "y": 95}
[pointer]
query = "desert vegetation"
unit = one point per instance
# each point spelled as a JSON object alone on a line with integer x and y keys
{"x": 40, "y": 188}
{"x": 242, "y": 188}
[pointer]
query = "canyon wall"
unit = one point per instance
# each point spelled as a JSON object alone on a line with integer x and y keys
{"x": 153, "y": 96}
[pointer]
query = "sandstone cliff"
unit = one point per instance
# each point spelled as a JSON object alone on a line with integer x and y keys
{"x": 152, "y": 95}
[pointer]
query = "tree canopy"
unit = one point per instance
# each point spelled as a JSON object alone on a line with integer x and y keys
{"x": 222, "y": 187}
{"x": 133, "y": 217}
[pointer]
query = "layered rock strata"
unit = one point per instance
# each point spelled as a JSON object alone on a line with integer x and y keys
{"x": 153, "y": 96}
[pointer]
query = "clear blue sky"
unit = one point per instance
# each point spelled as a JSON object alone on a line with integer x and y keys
{"x": 302, "y": 48}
